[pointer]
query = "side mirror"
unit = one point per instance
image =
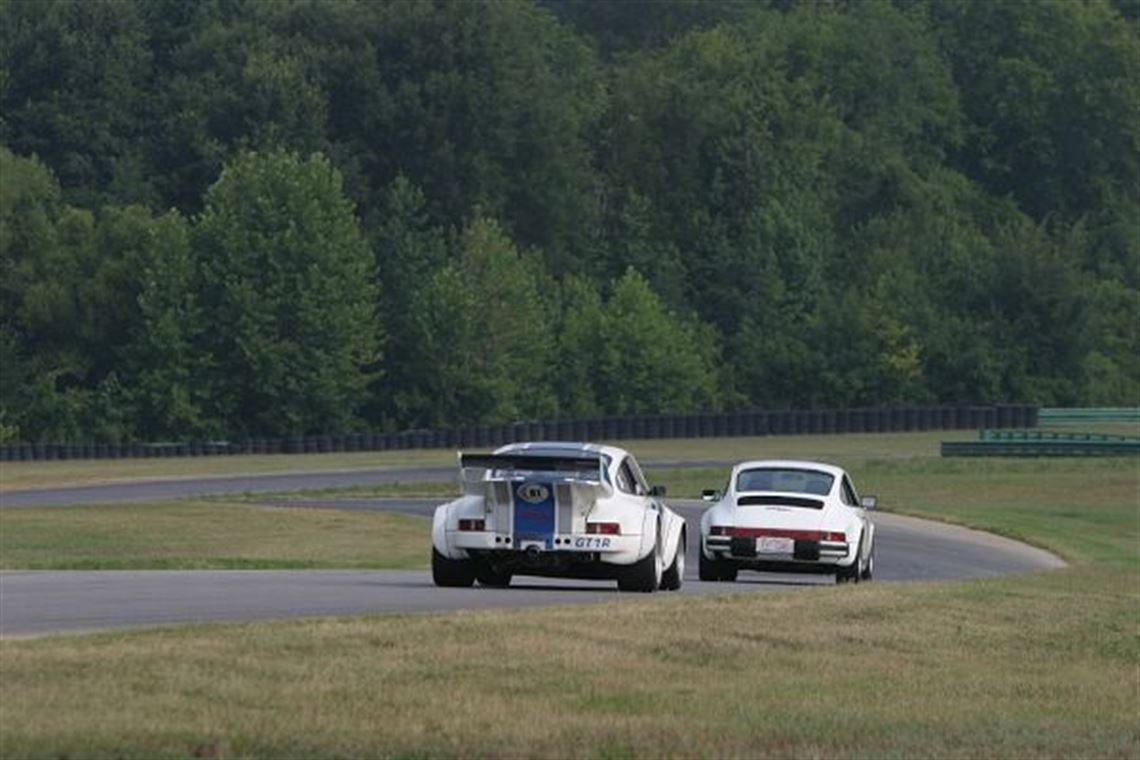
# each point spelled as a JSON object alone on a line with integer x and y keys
{"x": 710, "y": 495}
{"x": 868, "y": 502}
{"x": 657, "y": 491}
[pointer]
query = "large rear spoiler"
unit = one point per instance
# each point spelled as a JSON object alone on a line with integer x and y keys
{"x": 584, "y": 475}
{"x": 593, "y": 464}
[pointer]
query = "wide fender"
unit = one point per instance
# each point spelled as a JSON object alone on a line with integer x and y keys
{"x": 869, "y": 543}
{"x": 446, "y": 518}
{"x": 650, "y": 520}
{"x": 715, "y": 512}
{"x": 439, "y": 530}
{"x": 674, "y": 526}
{"x": 855, "y": 541}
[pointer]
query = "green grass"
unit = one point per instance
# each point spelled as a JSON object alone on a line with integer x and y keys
{"x": 1035, "y": 666}
{"x": 1087, "y": 510}
{"x": 187, "y": 535}
{"x": 23, "y": 475}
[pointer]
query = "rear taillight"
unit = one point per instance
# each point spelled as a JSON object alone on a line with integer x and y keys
{"x": 798, "y": 535}
{"x": 474, "y": 525}
{"x": 606, "y": 528}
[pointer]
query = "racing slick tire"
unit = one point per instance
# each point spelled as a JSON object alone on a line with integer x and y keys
{"x": 643, "y": 576}
{"x": 490, "y": 577}
{"x": 451, "y": 572}
{"x": 714, "y": 569}
{"x": 674, "y": 575}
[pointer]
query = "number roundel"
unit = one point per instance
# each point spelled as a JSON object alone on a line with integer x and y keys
{"x": 533, "y": 493}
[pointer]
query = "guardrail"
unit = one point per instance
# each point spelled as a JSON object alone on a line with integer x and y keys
{"x": 1041, "y": 443}
{"x": 1055, "y": 416}
{"x": 742, "y": 423}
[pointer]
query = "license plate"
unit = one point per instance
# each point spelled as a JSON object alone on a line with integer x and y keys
{"x": 770, "y": 545}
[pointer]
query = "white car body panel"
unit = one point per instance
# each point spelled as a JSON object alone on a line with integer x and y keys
{"x": 496, "y": 524}
{"x": 795, "y": 529}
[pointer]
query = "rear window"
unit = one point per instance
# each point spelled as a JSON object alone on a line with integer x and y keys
{"x": 784, "y": 480}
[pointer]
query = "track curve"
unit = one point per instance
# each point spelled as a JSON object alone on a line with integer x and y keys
{"x": 41, "y": 602}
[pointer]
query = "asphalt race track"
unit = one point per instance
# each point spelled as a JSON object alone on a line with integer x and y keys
{"x": 41, "y": 602}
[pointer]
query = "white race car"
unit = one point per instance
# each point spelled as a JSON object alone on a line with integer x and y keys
{"x": 788, "y": 516}
{"x": 571, "y": 510}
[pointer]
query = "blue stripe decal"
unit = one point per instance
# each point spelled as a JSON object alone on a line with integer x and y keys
{"x": 534, "y": 512}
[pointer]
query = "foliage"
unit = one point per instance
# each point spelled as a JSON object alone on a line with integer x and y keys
{"x": 287, "y": 280}
{"x": 482, "y": 336}
{"x": 248, "y": 217}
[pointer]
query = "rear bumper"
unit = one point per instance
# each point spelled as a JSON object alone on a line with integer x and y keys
{"x": 805, "y": 554}
{"x": 616, "y": 550}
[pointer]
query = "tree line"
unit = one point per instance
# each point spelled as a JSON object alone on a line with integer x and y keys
{"x": 266, "y": 218}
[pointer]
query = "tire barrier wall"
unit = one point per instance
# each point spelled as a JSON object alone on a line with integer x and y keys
{"x": 733, "y": 424}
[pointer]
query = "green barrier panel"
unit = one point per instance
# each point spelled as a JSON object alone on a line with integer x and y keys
{"x": 1047, "y": 435}
{"x": 997, "y": 448}
{"x": 1093, "y": 414}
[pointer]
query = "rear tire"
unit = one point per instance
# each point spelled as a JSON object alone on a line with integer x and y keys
{"x": 488, "y": 576}
{"x": 451, "y": 572}
{"x": 643, "y": 576}
{"x": 674, "y": 577}
{"x": 714, "y": 569}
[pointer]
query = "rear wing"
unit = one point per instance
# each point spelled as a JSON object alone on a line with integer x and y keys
{"x": 584, "y": 469}
{"x": 533, "y": 463}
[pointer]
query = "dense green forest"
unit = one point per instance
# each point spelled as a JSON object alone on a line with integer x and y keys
{"x": 275, "y": 217}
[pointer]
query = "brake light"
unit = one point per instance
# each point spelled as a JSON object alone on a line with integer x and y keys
{"x": 606, "y": 528}
{"x": 800, "y": 535}
{"x": 472, "y": 525}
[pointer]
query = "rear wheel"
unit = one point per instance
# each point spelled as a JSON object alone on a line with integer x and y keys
{"x": 451, "y": 572}
{"x": 489, "y": 576}
{"x": 675, "y": 575}
{"x": 848, "y": 574}
{"x": 714, "y": 569}
{"x": 643, "y": 575}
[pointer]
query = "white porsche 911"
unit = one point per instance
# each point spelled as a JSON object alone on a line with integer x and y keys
{"x": 572, "y": 510}
{"x": 787, "y": 516}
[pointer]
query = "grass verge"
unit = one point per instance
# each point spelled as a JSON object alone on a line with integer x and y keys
{"x": 186, "y": 535}
{"x": 16, "y": 476}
